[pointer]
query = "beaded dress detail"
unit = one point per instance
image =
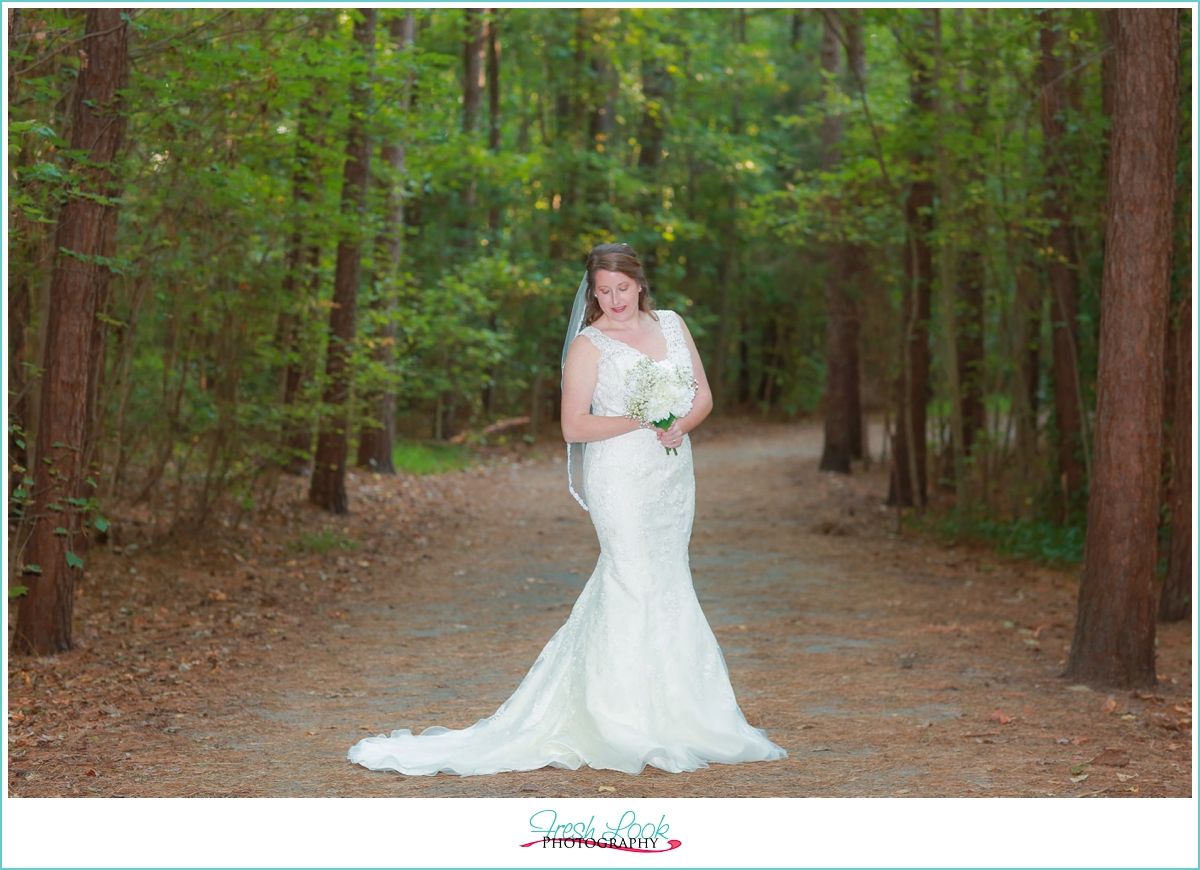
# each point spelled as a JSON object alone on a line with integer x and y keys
{"x": 635, "y": 676}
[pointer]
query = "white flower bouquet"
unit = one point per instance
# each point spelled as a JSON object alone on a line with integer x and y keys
{"x": 658, "y": 393}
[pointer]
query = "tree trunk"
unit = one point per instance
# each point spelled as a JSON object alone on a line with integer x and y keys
{"x": 377, "y": 437}
{"x": 1114, "y": 630}
{"x": 328, "y": 489}
{"x": 472, "y": 69}
{"x": 493, "y": 88}
{"x": 971, "y": 271}
{"x": 857, "y": 257}
{"x": 908, "y": 455}
{"x": 83, "y": 235}
{"x": 1176, "y": 600}
{"x": 1175, "y": 603}
{"x": 1064, "y": 294}
{"x": 839, "y": 364}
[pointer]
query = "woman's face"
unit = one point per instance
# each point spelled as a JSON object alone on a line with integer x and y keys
{"x": 617, "y": 294}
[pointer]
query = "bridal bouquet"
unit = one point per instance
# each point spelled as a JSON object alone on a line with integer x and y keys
{"x": 657, "y": 393}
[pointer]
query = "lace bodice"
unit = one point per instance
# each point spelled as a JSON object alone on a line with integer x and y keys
{"x": 617, "y": 358}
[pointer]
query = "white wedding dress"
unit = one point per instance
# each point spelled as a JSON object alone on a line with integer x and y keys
{"x": 635, "y": 675}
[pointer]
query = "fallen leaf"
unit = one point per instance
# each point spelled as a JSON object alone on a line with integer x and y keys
{"x": 1079, "y": 741}
{"x": 1080, "y": 778}
{"x": 1134, "y": 788}
{"x": 1062, "y": 741}
{"x": 1112, "y": 758}
{"x": 1000, "y": 717}
{"x": 605, "y": 788}
{"x": 217, "y": 595}
{"x": 1110, "y": 705}
{"x": 1125, "y": 777}
{"x": 1179, "y": 709}
{"x": 91, "y": 772}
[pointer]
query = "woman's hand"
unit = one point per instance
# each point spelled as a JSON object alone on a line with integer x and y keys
{"x": 670, "y": 437}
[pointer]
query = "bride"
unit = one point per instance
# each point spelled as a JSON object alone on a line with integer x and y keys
{"x": 635, "y": 675}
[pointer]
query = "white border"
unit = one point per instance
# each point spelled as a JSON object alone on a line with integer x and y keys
{"x": 717, "y": 832}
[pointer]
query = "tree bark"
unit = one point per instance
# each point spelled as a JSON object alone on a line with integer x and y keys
{"x": 472, "y": 69}
{"x": 377, "y": 437}
{"x": 840, "y": 371}
{"x": 301, "y": 281}
{"x": 1064, "y": 293}
{"x": 1175, "y": 602}
{"x": 857, "y": 253}
{"x": 494, "y": 119}
{"x": 83, "y": 235}
{"x": 1114, "y": 630}
{"x": 328, "y": 488}
{"x": 971, "y": 271}
{"x": 909, "y": 453}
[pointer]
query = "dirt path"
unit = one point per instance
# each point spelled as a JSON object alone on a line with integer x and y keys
{"x": 241, "y": 665}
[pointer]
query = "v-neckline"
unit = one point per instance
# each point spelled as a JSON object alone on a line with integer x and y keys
{"x": 661, "y": 329}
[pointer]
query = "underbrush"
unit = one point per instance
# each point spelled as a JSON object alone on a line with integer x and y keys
{"x": 1043, "y": 541}
{"x": 321, "y": 542}
{"x": 423, "y": 457}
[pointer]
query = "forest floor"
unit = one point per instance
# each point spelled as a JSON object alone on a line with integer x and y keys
{"x": 245, "y": 662}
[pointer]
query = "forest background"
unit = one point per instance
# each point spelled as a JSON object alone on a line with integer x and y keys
{"x": 310, "y": 239}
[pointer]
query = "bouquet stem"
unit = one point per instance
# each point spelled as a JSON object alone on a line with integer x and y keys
{"x": 665, "y": 425}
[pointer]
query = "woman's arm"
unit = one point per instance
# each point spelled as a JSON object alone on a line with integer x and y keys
{"x": 702, "y": 404}
{"x": 579, "y": 384}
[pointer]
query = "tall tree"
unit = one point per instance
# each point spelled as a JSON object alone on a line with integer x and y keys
{"x": 857, "y": 252}
{"x": 1114, "y": 630}
{"x": 1175, "y": 601}
{"x": 377, "y": 438}
{"x": 472, "y": 68}
{"x": 1059, "y": 256}
{"x": 301, "y": 280}
{"x": 841, "y": 349}
{"x": 971, "y": 270}
{"x": 907, "y": 486}
{"x": 494, "y": 118}
{"x": 83, "y": 242}
{"x": 328, "y": 488}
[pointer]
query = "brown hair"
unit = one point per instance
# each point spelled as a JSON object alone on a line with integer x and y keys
{"x": 615, "y": 258}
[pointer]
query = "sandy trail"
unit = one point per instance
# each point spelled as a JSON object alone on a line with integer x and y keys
{"x": 886, "y": 665}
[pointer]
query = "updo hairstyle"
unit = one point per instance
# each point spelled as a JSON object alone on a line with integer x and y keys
{"x": 615, "y": 258}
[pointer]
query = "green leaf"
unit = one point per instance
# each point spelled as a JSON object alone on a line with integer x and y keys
{"x": 17, "y": 591}
{"x": 32, "y": 569}
{"x": 90, "y": 483}
{"x": 61, "y": 531}
{"x": 73, "y": 560}
{"x": 78, "y": 502}
{"x": 101, "y": 524}
{"x": 20, "y": 492}
{"x": 20, "y": 443}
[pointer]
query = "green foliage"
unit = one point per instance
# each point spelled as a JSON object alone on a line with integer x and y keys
{"x": 1039, "y": 539}
{"x": 693, "y": 134}
{"x": 17, "y": 591}
{"x": 321, "y": 542}
{"x": 428, "y": 457}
